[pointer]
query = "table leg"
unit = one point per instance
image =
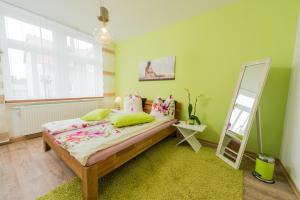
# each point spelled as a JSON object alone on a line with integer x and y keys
{"x": 190, "y": 138}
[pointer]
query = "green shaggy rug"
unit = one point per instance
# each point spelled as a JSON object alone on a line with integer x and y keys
{"x": 164, "y": 172}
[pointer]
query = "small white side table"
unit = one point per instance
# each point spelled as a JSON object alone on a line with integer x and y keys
{"x": 188, "y": 132}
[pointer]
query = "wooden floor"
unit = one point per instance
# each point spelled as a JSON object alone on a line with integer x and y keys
{"x": 26, "y": 172}
{"x": 256, "y": 190}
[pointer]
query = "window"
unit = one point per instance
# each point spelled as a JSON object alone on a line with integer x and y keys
{"x": 46, "y": 60}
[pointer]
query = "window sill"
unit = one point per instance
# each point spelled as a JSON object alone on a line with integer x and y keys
{"x": 46, "y": 101}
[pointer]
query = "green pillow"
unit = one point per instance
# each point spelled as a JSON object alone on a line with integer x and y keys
{"x": 96, "y": 115}
{"x": 130, "y": 119}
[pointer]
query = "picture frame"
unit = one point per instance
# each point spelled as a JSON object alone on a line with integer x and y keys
{"x": 157, "y": 69}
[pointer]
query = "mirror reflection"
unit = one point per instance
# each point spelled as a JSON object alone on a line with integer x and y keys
{"x": 253, "y": 78}
{"x": 230, "y": 147}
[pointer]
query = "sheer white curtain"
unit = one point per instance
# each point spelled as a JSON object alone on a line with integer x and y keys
{"x": 47, "y": 60}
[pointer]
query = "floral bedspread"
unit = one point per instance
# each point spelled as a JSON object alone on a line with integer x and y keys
{"x": 71, "y": 139}
{"x": 83, "y": 142}
{"x": 57, "y": 127}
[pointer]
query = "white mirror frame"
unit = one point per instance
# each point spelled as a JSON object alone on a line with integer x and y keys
{"x": 236, "y": 164}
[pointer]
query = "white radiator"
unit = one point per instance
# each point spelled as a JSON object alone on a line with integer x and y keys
{"x": 27, "y": 119}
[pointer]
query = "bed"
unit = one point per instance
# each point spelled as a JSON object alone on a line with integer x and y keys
{"x": 106, "y": 160}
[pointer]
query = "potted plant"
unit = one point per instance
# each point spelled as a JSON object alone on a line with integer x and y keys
{"x": 192, "y": 116}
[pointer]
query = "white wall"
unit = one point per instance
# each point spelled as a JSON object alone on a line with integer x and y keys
{"x": 290, "y": 149}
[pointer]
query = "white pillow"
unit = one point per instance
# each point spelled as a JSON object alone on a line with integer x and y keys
{"x": 133, "y": 103}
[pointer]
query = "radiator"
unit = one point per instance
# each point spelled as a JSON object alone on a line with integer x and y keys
{"x": 27, "y": 119}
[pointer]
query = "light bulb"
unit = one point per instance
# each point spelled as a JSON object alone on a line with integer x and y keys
{"x": 104, "y": 30}
{"x": 102, "y": 34}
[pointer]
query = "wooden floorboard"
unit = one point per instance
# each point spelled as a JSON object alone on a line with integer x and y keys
{"x": 26, "y": 172}
{"x": 257, "y": 190}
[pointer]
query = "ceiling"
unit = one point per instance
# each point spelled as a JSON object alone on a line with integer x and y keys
{"x": 129, "y": 18}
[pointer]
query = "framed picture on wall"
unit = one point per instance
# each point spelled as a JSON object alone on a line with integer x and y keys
{"x": 158, "y": 69}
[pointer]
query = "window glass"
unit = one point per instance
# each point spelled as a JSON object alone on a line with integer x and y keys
{"x": 44, "y": 59}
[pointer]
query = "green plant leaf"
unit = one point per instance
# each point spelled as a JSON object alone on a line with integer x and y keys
{"x": 193, "y": 117}
{"x": 190, "y": 109}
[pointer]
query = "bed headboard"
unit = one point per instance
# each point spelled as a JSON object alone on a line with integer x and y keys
{"x": 148, "y": 105}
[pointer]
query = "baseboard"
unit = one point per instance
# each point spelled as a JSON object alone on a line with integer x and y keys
{"x": 208, "y": 143}
{"x": 22, "y": 138}
{"x": 4, "y": 138}
{"x": 290, "y": 181}
{"x": 25, "y": 137}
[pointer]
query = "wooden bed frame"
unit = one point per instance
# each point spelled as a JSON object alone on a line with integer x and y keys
{"x": 89, "y": 175}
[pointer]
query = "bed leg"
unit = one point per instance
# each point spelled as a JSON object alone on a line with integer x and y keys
{"x": 90, "y": 183}
{"x": 46, "y": 146}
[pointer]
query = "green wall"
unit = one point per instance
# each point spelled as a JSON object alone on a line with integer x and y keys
{"x": 209, "y": 50}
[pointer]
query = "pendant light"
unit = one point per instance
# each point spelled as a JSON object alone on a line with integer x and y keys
{"x": 101, "y": 33}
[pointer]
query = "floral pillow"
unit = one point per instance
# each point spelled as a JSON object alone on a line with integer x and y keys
{"x": 157, "y": 108}
{"x": 133, "y": 103}
{"x": 163, "y": 108}
{"x": 169, "y": 106}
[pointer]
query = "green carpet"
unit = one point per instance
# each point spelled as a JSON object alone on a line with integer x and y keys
{"x": 164, "y": 172}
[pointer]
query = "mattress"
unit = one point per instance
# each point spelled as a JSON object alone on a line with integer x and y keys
{"x": 88, "y": 152}
{"x": 105, "y": 153}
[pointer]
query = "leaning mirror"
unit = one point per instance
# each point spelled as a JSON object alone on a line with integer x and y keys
{"x": 243, "y": 109}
